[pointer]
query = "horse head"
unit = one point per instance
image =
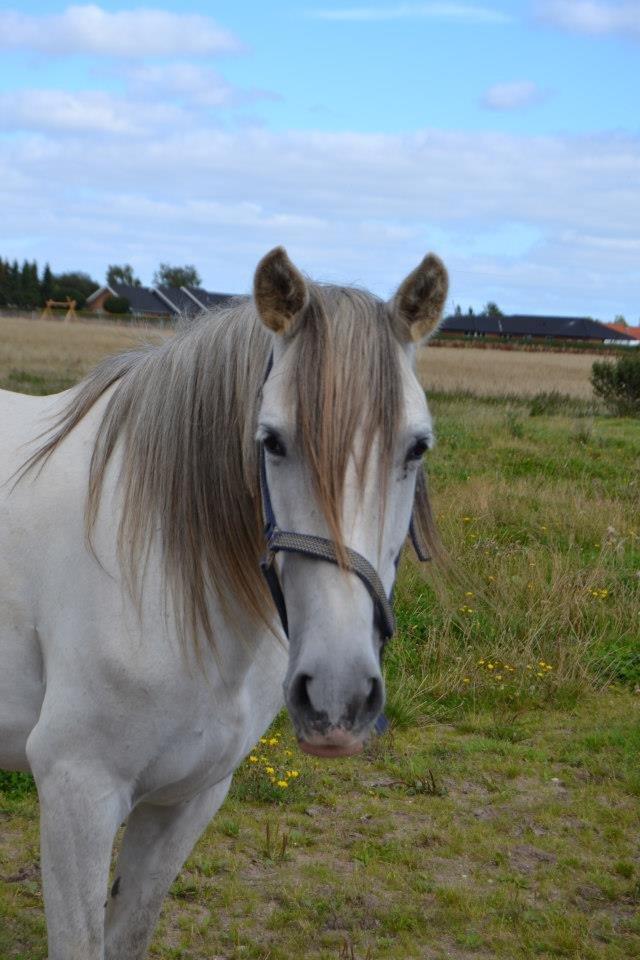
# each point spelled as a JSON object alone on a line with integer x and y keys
{"x": 343, "y": 427}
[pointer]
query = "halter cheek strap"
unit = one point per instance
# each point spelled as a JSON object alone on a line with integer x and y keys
{"x": 319, "y": 548}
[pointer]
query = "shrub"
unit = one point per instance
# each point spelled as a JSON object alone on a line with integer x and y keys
{"x": 618, "y": 384}
{"x": 116, "y": 305}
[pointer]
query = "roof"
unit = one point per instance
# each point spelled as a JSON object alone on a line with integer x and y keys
{"x": 633, "y": 332}
{"x": 207, "y": 299}
{"x": 141, "y": 299}
{"x": 178, "y": 299}
{"x": 531, "y": 325}
{"x": 164, "y": 301}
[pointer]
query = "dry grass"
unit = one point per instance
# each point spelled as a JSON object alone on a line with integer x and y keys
{"x": 504, "y": 372}
{"x": 58, "y": 351}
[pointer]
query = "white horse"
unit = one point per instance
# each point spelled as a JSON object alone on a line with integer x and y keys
{"x": 141, "y": 656}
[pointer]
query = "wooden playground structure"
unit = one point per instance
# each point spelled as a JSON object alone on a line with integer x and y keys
{"x": 51, "y": 305}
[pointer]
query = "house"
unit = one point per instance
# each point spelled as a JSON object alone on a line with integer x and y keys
{"x": 530, "y": 326}
{"x": 633, "y": 332}
{"x": 160, "y": 302}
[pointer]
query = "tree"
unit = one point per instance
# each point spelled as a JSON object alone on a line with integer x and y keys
{"x": 4, "y": 283}
{"x": 76, "y": 285}
{"x": 470, "y": 312}
{"x": 29, "y": 285}
{"x": 618, "y": 384}
{"x": 46, "y": 285}
{"x": 458, "y": 311}
{"x": 15, "y": 285}
{"x": 117, "y": 305}
{"x": 492, "y": 310}
{"x": 620, "y": 320}
{"x": 168, "y": 276}
{"x": 122, "y": 274}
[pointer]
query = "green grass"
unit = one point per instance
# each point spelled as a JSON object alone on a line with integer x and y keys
{"x": 527, "y": 848}
{"x": 542, "y": 525}
{"x": 500, "y": 817}
{"x": 38, "y": 384}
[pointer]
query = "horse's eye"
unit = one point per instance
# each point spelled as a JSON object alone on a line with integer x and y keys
{"x": 417, "y": 451}
{"x": 274, "y": 445}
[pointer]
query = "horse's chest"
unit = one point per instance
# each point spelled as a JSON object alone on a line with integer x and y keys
{"x": 215, "y": 736}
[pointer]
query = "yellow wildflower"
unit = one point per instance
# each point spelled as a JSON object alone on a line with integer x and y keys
{"x": 270, "y": 770}
{"x": 282, "y": 784}
{"x": 253, "y": 759}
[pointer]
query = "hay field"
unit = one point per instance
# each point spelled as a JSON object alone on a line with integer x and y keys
{"x": 41, "y": 356}
{"x": 504, "y": 372}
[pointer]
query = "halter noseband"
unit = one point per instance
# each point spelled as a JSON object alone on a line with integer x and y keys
{"x": 320, "y": 548}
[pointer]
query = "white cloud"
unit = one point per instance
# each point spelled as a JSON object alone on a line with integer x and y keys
{"x": 593, "y": 17}
{"x": 84, "y": 112}
{"x": 90, "y": 29}
{"x": 461, "y": 12}
{"x": 351, "y": 207}
{"x": 189, "y": 82}
{"x": 512, "y": 96}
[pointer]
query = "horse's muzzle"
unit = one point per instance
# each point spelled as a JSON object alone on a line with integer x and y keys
{"x": 336, "y": 743}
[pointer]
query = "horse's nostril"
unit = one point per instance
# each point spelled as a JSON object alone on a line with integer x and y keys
{"x": 299, "y": 693}
{"x": 324, "y": 700}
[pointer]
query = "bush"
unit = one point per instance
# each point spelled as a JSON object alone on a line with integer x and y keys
{"x": 116, "y": 305}
{"x": 618, "y": 384}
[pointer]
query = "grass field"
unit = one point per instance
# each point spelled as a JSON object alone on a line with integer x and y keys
{"x": 500, "y": 818}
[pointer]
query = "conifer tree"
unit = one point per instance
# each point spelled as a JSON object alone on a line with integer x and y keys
{"x": 46, "y": 285}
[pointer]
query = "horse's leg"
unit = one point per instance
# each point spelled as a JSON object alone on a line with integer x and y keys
{"x": 157, "y": 841}
{"x": 81, "y": 807}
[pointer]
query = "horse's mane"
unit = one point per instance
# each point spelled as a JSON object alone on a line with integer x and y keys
{"x": 185, "y": 416}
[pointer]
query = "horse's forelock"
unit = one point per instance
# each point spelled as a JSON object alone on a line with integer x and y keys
{"x": 346, "y": 387}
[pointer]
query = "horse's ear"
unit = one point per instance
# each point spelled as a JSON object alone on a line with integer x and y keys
{"x": 416, "y": 309}
{"x": 279, "y": 290}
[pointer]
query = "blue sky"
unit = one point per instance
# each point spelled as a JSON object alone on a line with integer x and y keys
{"x": 505, "y": 136}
